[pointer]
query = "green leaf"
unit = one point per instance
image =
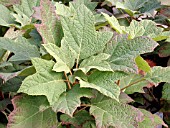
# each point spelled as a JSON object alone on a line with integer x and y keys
{"x": 69, "y": 101}
{"x": 114, "y": 23}
{"x": 2, "y": 125}
{"x": 166, "y": 91}
{"x": 6, "y": 19}
{"x": 50, "y": 28}
{"x": 134, "y": 30}
{"x": 66, "y": 11}
{"x": 151, "y": 29}
{"x": 24, "y": 11}
{"x": 104, "y": 82}
{"x": 150, "y": 120}
{"x": 64, "y": 56}
{"x": 80, "y": 33}
{"x": 44, "y": 81}
{"x": 79, "y": 118}
{"x": 164, "y": 50}
{"x": 109, "y": 112}
{"x": 7, "y": 76}
{"x": 31, "y": 112}
{"x": 21, "y": 48}
{"x": 97, "y": 62}
{"x": 136, "y": 82}
{"x": 90, "y": 5}
{"x": 142, "y": 64}
{"x": 123, "y": 52}
{"x": 159, "y": 74}
{"x": 150, "y": 6}
{"x": 9, "y": 2}
{"x": 12, "y": 85}
{"x": 131, "y": 6}
{"x": 4, "y": 103}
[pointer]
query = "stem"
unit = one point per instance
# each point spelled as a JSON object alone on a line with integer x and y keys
{"x": 84, "y": 107}
{"x": 68, "y": 82}
{"x": 132, "y": 84}
{"x": 71, "y": 73}
{"x": 77, "y": 63}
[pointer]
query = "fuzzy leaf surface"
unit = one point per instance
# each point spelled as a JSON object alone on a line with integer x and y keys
{"x": 22, "y": 49}
{"x": 104, "y": 82}
{"x": 97, "y": 62}
{"x": 50, "y": 29}
{"x": 68, "y": 102}
{"x": 80, "y": 33}
{"x": 44, "y": 81}
{"x": 150, "y": 120}
{"x": 109, "y": 112}
{"x": 31, "y": 112}
{"x": 64, "y": 56}
{"x": 123, "y": 52}
{"x": 159, "y": 74}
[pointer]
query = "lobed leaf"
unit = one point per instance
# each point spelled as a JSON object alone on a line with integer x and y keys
{"x": 80, "y": 33}
{"x": 64, "y": 56}
{"x": 24, "y": 11}
{"x": 31, "y": 112}
{"x": 44, "y": 81}
{"x": 123, "y": 52}
{"x": 109, "y": 112}
{"x": 69, "y": 101}
{"x": 104, "y": 82}
{"x": 22, "y": 49}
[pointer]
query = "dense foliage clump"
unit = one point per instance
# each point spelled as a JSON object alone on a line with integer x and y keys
{"x": 84, "y": 64}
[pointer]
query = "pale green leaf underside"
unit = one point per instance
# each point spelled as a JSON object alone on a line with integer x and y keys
{"x": 44, "y": 81}
{"x": 31, "y": 112}
{"x": 112, "y": 113}
{"x": 104, "y": 82}
{"x": 22, "y": 49}
{"x": 80, "y": 33}
{"x": 123, "y": 52}
{"x": 68, "y": 102}
{"x": 64, "y": 56}
{"x": 96, "y": 62}
{"x": 159, "y": 74}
